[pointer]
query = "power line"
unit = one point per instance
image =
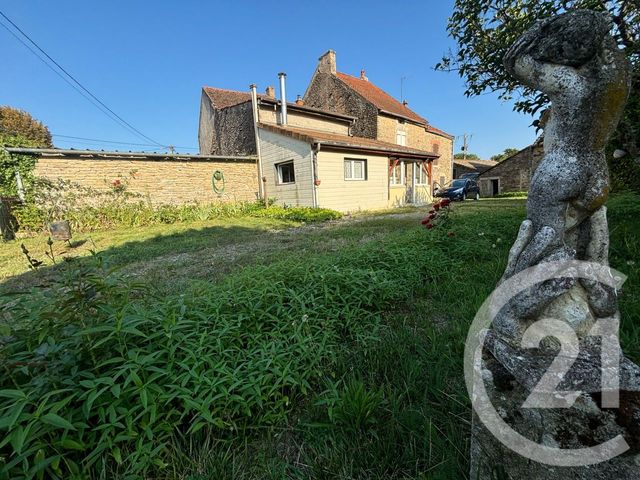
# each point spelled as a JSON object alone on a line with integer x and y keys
{"x": 97, "y": 140}
{"x": 122, "y": 120}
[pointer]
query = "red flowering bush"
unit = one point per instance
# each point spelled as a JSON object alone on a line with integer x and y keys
{"x": 439, "y": 210}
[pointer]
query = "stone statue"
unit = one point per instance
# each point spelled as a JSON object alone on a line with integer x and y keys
{"x": 575, "y": 61}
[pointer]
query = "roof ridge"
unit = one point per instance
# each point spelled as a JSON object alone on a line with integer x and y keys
{"x": 393, "y": 106}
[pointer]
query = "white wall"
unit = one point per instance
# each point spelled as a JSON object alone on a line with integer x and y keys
{"x": 276, "y": 148}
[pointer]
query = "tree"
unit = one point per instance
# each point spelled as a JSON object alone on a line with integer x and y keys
{"x": 485, "y": 29}
{"x": 19, "y": 129}
{"x": 20, "y": 124}
{"x": 468, "y": 156}
{"x": 505, "y": 154}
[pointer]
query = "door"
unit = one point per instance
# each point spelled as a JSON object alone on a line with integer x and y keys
{"x": 495, "y": 187}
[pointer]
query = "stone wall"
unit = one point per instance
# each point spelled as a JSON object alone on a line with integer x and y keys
{"x": 162, "y": 181}
{"x": 514, "y": 174}
{"x": 233, "y": 131}
{"x": 418, "y": 137}
{"x": 327, "y": 92}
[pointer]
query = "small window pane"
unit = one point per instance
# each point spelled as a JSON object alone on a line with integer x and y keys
{"x": 286, "y": 173}
{"x": 355, "y": 169}
{"x": 358, "y": 170}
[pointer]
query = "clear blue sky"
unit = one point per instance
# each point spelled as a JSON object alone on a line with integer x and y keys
{"x": 148, "y": 61}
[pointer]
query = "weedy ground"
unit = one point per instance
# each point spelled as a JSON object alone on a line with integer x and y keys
{"x": 265, "y": 350}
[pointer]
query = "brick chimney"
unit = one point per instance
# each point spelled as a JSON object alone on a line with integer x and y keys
{"x": 363, "y": 76}
{"x": 270, "y": 91}
{"x": 299, "y": 100}
{"x": 327, "y": 63}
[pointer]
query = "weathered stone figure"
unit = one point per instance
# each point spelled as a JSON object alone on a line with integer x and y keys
{"x": 575, "y": 61}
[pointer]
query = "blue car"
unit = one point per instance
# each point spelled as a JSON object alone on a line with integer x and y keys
{"x": 460, "y": 189}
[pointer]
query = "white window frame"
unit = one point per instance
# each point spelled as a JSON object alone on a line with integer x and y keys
{"x": 421, "y": 172}
{"x": 278, "y": 166}
{"x": 364, "y": 169}
{"x": 401, "y": 138}
{"x": 398, "y": 181}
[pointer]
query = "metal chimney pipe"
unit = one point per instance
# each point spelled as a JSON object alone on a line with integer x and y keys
{"x": 283, "y": 98}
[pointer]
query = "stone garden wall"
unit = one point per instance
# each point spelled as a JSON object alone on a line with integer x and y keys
{"x": 163, "y": 181}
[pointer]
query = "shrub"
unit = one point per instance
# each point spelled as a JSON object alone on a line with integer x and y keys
{"x": 111, "y": 212}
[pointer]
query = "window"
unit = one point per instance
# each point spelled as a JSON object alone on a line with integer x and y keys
{"x": 397, "y": 174}
{"x": 435, "y": 147}
{"x": 355, "y": 169}
{"x": 401, "y": 138}
{"x": 421, "y": 176}
{"x": 285, "y": 173}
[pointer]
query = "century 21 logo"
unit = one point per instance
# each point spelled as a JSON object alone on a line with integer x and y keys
{"x": 545, "y": 395}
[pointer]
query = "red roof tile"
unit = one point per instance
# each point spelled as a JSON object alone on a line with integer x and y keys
{"x": 336, "y": 140}
{"x": 222, "y": 98}
{"x": 378, "y": 97}
{"x": 437, "y": 131}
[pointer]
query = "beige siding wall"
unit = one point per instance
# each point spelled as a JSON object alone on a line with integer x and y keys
{"x": 301, "y": 120}
{"x": 352, "y": 195}
{"x": 276, "y": 149}
{"x": 161, "y": 181}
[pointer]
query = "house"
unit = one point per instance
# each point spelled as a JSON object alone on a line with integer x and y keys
{"x": 350, "y": 155}
{"x": 462, "y": 167}
{"x": 514, "y": 173}
{"x": 378, "y": 115}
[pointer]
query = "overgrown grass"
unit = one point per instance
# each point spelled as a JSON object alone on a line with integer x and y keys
{"x": 347, "y": 364}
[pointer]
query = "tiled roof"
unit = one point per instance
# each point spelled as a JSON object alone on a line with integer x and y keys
{"x": 477, "y": 165}
{"x": 336, "y": 140}
{"x": 222, "y": 98}
{"x": 226, "y": 98}
{"x": 378, "y": 97}
{"x": 437, "y": 131}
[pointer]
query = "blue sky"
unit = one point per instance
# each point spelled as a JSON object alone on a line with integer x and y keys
{"x": 148, "y": 61}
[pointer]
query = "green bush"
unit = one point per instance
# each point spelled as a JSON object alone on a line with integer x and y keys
{"x": 113, "y": 214}
{"x": 298, "y": 214}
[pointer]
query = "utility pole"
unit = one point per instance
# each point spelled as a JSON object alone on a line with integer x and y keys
{"x": 465, "y": 145}
{"x": 171, "y": 148}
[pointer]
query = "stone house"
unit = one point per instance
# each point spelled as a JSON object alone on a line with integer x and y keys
{"x": 379, "y": 116}
{"x": 513, "y": 174}
{"x": 353, "y": 155}
{"x": 462, "y": 167}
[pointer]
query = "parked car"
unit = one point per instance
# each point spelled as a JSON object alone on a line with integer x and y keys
{"x": 470, "y": 176}
{"x": 460, "y": 189}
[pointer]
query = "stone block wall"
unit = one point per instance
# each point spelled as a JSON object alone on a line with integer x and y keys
{"x": 162, "y": 181}
{"x": 327, "y": 92}
{"x": 514, "y": 174}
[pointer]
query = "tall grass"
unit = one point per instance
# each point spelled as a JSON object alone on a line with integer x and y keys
{"x": 346, "y": 365}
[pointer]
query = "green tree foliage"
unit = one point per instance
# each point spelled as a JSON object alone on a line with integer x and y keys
{"x": 12, "y": 163}
{"x": 20, "y": 124}
{"x": 505, "y": 154}
{"x": 19, "y": 129}
{"x": 468, "y": 156}
{"x": 484, "y": 30}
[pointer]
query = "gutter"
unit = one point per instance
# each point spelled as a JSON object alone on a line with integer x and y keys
{"x": 314, "y": 174}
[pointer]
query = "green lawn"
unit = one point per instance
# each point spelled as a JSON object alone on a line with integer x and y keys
{"x": 343, "y": 343}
